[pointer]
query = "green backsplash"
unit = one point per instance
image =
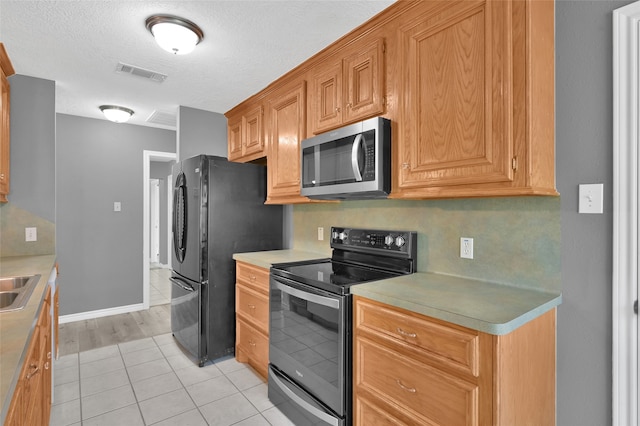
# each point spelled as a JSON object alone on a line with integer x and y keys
{"x": 516, "y": 239}
{"x": 13, "y": 220}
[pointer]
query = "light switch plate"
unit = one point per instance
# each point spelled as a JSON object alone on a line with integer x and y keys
{"x": 590, "y": 198}
{"x": 31, "y": 234}
{"x": 117, "y": 206}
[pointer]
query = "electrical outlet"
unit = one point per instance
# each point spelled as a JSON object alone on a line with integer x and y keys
{"x": 320, "y": 233}
{"x": 117, "y": 206}
{"x": 31, "y": 234}
{"x": 466, "y": 248}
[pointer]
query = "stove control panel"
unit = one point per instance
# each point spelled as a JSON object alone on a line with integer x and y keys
{"x": 401, "y": 242}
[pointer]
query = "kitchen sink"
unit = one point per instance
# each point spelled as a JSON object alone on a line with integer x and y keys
{"x": 15, "y": 291}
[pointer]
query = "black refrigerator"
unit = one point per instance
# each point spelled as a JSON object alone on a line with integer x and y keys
{"x": 218, "y": 210}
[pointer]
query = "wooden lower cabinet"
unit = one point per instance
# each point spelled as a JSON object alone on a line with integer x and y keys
{"x": 31, "y": 402}
{"x": 252, "y": 316}
{"x": 412, "y": 369}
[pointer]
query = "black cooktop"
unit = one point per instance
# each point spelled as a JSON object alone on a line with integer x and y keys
{"x": 359, "y": 255}
{"x": 329, "y": 275}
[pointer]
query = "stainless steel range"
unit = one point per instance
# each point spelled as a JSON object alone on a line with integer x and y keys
{"x": 310, "y": 351}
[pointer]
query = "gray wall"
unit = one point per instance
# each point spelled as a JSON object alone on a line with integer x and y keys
{"x": 99, "y": 250}
{"x": 161, "y": 170}
{"x": 584, "y": 155}
{"x": 201, "y": 132}
{"x": 33, "y": 136}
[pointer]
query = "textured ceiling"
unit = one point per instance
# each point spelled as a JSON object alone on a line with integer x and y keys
{"x": 246, "y": 46}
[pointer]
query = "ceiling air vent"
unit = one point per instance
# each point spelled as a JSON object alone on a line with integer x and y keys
{"x": 163, "y": 118}
{"x": 141, "y": 72}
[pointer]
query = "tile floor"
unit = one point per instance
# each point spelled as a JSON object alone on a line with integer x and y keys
{"x": 151, "y": 381}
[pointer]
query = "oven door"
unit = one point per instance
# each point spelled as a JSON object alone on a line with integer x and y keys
{"x": 309, "y": 345}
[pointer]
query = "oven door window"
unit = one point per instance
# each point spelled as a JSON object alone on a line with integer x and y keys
{"x": 346, "y": 160}
{"x": 307, "y": 340}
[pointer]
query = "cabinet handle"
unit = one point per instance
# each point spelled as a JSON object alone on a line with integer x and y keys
{"x": 405, "y": 166}
{"x": 49, "y": 355}
{"x": 34, "y": 370}
{"x": 403, "y": 387}
{"x": 404, "y": 333}
{"x": 337, "y": 109}
{"x": 252, "y": 277}
{"x": 252, "y": 343}
{"x": 46, "y": 365}
{"x": 348, "y": 105}
{"x": 251, "y": 306}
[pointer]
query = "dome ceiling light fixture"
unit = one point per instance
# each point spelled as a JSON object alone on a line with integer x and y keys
{"x": 115, "y": 113}
{"x": 175, "y": 35}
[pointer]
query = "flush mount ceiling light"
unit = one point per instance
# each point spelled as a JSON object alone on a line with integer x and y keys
{"x": 174, "y": 34}
{"x": 115, "y": 113}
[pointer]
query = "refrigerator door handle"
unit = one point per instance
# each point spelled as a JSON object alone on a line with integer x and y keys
{"x": 183, "y": 285}
{"x": 180, "y": 220}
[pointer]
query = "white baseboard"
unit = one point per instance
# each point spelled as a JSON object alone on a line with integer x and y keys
{"x": 101, "y": 313}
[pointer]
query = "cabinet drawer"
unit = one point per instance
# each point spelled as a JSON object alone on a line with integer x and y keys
{"x": 418, "y": 390}
{"x": 370, "y": 414}
{"x": 253, "y": 275}
{"x": 253, "y": 306}
{"x": 454, "y": 347}
{"x": 254, "y": 344}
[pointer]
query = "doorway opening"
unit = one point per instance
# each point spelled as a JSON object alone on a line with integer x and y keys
{"x": 163, "y": 256}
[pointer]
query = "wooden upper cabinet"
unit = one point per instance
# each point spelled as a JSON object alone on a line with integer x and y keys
{"x": 349, "y": 89}
{"x": 245, "y": 134}
{"x": 477, "y": 112}
{"x": 6, "y": 70}
{"x": 286, "y": 129}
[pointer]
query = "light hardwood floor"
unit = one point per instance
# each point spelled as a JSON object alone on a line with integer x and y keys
{"x": 95, "y": 333}
{"x": 90, "y": 334}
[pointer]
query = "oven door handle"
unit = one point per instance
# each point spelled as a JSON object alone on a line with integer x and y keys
{"x": 315, "y": 298}
{"x": 327, "y": 418}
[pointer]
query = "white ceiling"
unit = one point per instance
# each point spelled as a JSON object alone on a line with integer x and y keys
{"x": 246, "y": 46}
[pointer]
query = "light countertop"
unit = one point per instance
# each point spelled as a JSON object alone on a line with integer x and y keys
{"x": 265, "y": 259}
{"x": 484, "y": 306}
{"x": 16, "y": 327}
{"x": 489, "y": 307}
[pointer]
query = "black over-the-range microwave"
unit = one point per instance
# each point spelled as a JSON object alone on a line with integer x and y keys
{"x": 352, "y": 162}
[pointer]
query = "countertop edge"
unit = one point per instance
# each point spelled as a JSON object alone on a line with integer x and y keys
{"x": 459, "y": 319}
{"x": 35, "y": 306}
{"x": 265, "y": 259}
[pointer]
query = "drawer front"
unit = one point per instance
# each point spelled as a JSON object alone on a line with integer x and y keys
{"x": 371, "y": 414}
{"x": 253, "y": 275}
{"x": 253, "y": 306}
{"x": 255, "y": 345}
{"x": 419, "y": 390}
{"x": 455, "y": 347}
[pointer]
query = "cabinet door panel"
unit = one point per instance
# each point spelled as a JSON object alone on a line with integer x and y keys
{"x": 327, "y": 102}
{"x": 253, "y": 306}
{"x": 287, "y": 113}
{"x": 234, "y": 138}
{"x": 458, "y": 97}
{"x": 364, "y": 74}
{"x": 252, "y": 124}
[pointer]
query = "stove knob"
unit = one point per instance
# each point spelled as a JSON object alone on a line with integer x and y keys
{"x": 342, "y": 236}
{"x": 388, "y": 240}
{"x": 334, "y": 235}
{"x": 400, "y": 240}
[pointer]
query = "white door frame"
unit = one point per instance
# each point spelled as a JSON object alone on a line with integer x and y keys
{"x": 626, "y": 194}
{"x": 154, "y": 220}
{"x": 169, "y": 219}
{"x": 147, "y": 158}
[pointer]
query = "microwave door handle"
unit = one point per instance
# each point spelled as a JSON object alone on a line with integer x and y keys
{"x": 315, "y": 298}
{"x": 354, "y": 157}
